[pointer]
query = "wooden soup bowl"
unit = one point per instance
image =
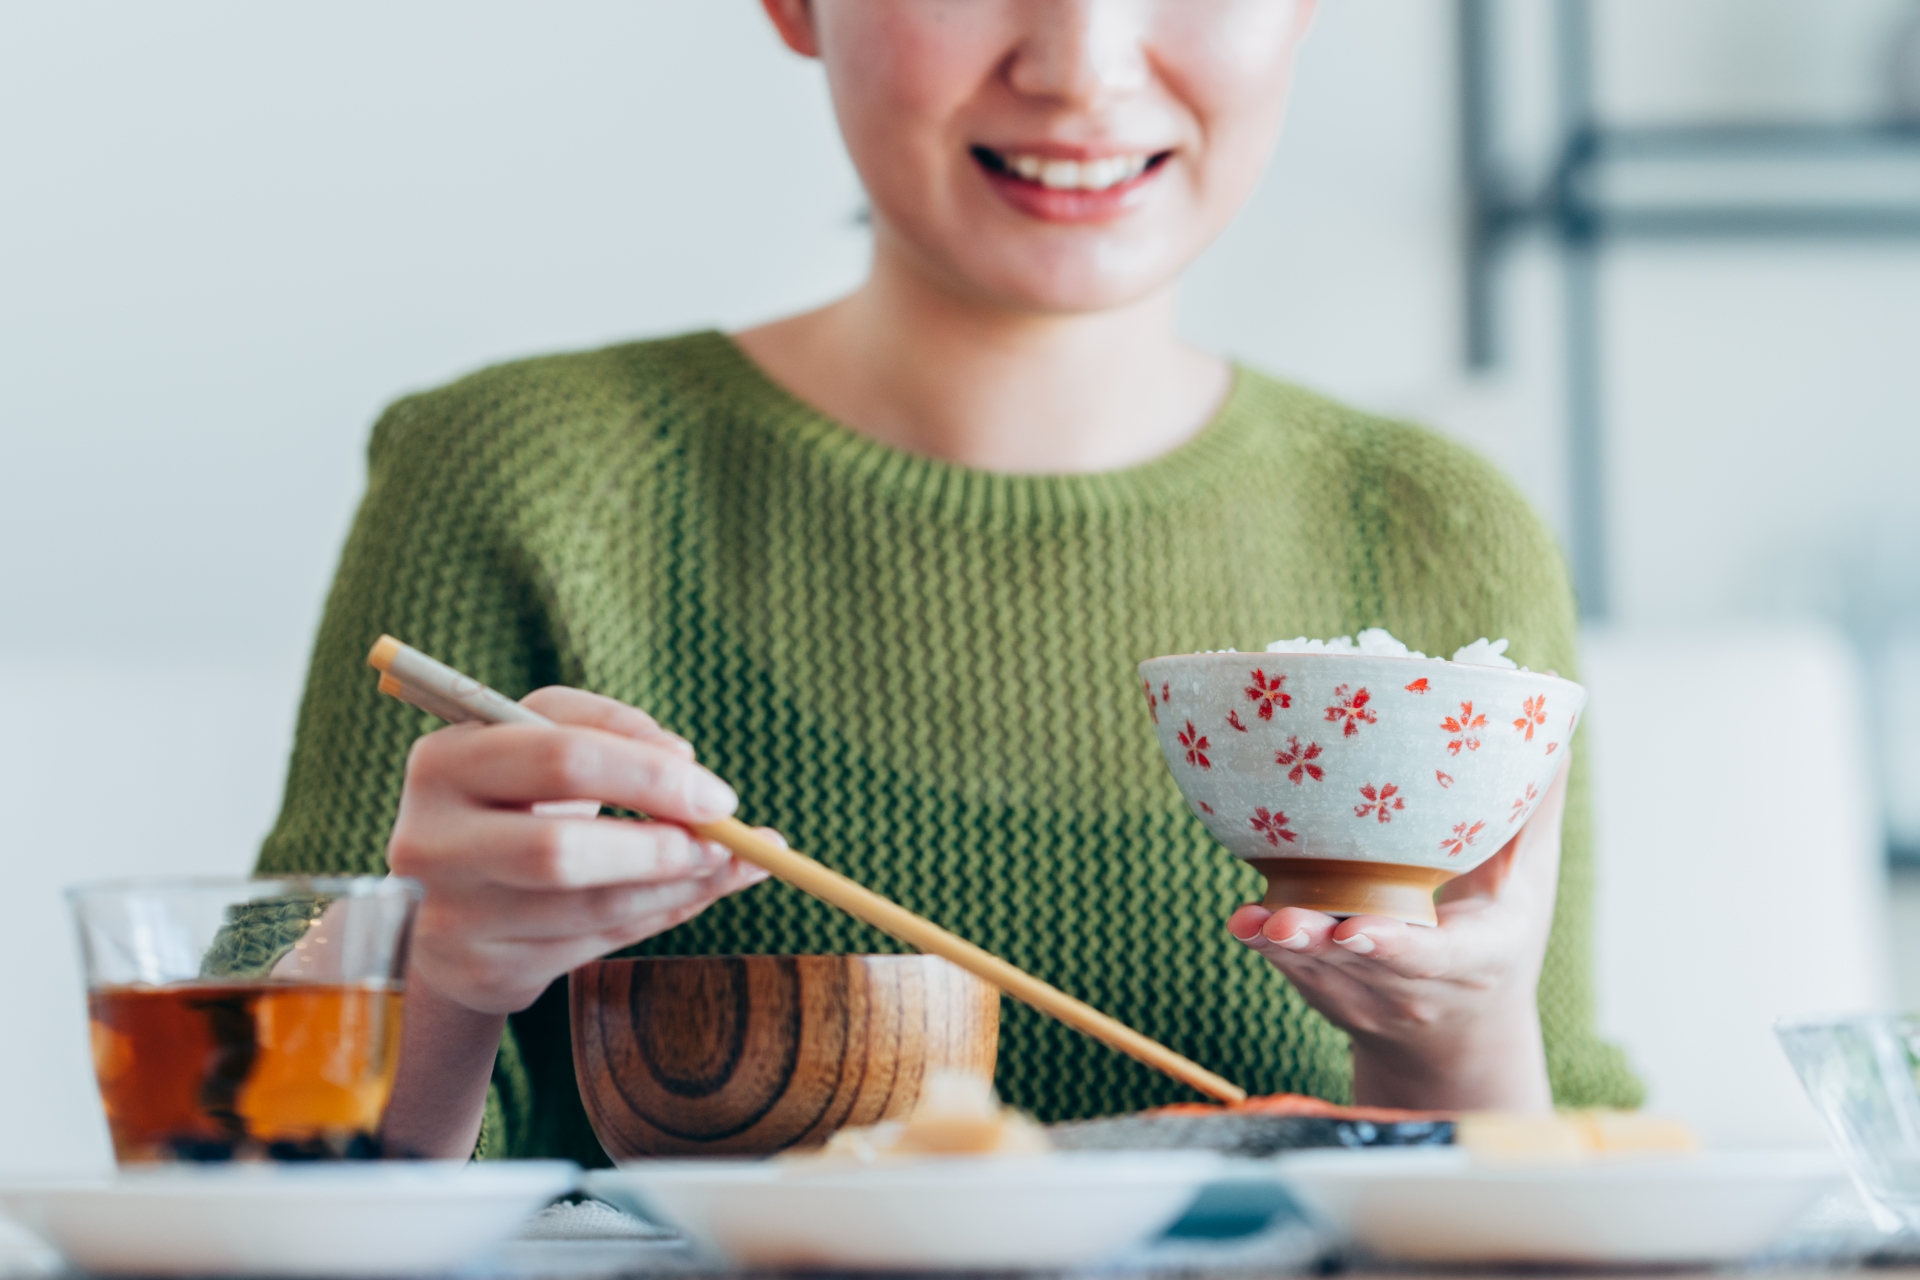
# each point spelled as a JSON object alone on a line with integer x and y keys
{"x": 748, "y": 1055}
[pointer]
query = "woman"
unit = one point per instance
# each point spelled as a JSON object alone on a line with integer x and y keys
{"x": 890, "y": 564}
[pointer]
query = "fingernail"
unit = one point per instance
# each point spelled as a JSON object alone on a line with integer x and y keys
{"x": 712, "y": 794}
{"x": 1360, "y": 944}
{"x": 1249, "y": 938}
{"x": 681, "y": 745}
{"x": 1299, "y": 941}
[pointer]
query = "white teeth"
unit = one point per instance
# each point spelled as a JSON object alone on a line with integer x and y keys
{"x": 1077, "y": 175}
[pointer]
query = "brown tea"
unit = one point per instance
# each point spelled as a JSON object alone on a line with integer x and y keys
{"x": 245, "y": 1070}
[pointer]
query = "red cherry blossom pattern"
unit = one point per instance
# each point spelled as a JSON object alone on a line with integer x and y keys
{"x": 1462, "y": 838}
{"x": 1381, "y": 802}
{"x": 1444, "y": 779}
{"x": 1533, "y": 712}
{"x": 1465, "y": 729}
{"x": 1153, "y": 703}
{"x": 1524, "y": 805}
{"x": 1418, "y": 686}
{"x": 1269, "y": 693}
{"x": 1298, "y": 761}
{"x": 1272, "y": 826}
{"x": 1196, "y": 744}
{"x": 1552, "y": 747}
{"x": 1233, "y": 719}
{"x": 1351, "y": 712}
{"x": 1206, "y": 808}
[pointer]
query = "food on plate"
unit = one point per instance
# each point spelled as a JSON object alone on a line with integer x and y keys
{"x": 1571, "y": 1135}
{"x": 1292, "y": 1122}
{"x": 1299, "y": 1104}
{"x": 1257, "y": 1127}
{"x": 957, "y": 1115}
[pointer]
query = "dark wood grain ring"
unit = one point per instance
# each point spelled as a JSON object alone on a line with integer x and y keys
{"x": 747, "y": 1055}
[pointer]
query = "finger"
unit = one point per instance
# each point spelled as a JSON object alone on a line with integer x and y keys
{"x": 1245, "y": 923}
{"x": 527, "y": 851}
{"x": 496, "y": 964}
{"x": 1533, "y": 853}
{"x": 1485, "y": 880}
{"x": 738, "y": 875}
{"x": 522, "y": 764}
{"x": 1374, "y": 940}
{"x": 1531, "y": 868}
{"x": 596, "y": 711}
{"x": 1461, "y": 948}
{"x": 494, "y": 914}
{"x": 493, "y": 972}
{"x": 1545, "y": 823}
{"x": 1287, "y": 936}
{"x": 728, "y": 881}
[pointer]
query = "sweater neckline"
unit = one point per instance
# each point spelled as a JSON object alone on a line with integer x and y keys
{"x": 1200, "y": 464}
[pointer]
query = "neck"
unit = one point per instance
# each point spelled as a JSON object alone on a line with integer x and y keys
{"x": 911, "y": 364}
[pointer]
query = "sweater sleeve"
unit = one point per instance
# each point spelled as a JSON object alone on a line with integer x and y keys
{"x": 426, "y": 561}
{"x": 1459, "y": 554}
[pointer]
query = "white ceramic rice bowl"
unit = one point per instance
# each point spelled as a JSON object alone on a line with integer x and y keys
{"x": 1439, "y": 1206}
{"x": 1358, "y": 757}
{"x": 1025, "y": 1212}
{"x": 357, "y": 1219}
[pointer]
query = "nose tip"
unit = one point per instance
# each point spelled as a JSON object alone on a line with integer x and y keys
{"x": 1082, "y": 50}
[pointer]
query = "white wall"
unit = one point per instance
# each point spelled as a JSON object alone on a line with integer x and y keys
{"x": 233, "y": 231}
{"x": 1737, "y": 885}
{"x": 229, "y": 232}
{"x": 110, "y": 771}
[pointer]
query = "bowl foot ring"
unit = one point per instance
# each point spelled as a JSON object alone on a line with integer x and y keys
{"x": 1342, "y": 887}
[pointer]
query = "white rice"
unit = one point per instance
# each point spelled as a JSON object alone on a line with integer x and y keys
{"x": 1376, "y": 642}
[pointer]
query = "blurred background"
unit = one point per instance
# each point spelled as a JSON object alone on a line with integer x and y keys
{"x": 1658, "y": 259}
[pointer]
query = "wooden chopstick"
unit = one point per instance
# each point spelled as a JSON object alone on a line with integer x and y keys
{"x": 439, "y": 690}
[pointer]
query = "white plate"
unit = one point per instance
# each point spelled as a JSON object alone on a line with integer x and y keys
{"x": 984, "y": 1212}
{"x": 1439, "y": 1206}
{"x": 288, "y": 1220}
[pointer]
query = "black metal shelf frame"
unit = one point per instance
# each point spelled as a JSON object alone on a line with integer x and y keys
{"x": 1573, "y": 204}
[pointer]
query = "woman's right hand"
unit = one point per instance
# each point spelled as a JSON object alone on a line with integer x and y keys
{"x": 516, "y": 898}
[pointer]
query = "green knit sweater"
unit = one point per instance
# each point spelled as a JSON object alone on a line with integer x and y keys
{"x": 922, "y": 674}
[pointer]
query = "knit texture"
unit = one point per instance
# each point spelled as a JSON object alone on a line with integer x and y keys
{"x": 923, "y": 675}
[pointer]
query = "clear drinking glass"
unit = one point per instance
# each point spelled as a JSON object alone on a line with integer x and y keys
{"x": 245, "y": 1019}
{"x": 1863, "y": 1075}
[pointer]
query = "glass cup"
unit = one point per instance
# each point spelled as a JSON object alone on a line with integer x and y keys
{"x": 1863, "y": 1075}
{"x": 245, "y": 1019}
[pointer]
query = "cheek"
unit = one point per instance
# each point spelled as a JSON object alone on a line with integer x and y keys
{"x": 901, "y": 71}
{"x": 1232, "y": 72}
{"x": 1228, "y": 40}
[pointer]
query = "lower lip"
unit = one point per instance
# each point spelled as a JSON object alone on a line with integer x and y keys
{"x": 1050, "y": 205}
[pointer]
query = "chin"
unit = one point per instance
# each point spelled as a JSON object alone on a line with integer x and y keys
{"x": 1087, "y": 278}
{"x": 985, "y": 250}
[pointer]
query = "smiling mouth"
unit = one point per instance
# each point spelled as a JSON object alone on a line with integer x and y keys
{"x": 1056, "y": 174}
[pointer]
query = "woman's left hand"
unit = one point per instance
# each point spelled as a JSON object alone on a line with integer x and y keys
{"x": 1441, "y": 1019}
